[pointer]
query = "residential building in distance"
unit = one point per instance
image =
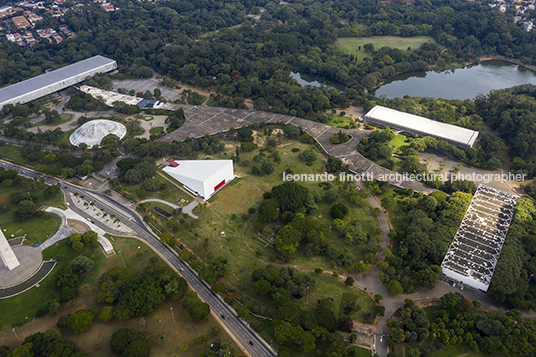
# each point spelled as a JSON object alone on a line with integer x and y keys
{"x": 20, "y": 22}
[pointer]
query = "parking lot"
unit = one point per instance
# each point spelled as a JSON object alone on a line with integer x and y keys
{"x": 144, "y": 85}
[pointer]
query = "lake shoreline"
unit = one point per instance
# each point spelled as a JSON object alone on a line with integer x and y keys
{"x": 480, "y": 76}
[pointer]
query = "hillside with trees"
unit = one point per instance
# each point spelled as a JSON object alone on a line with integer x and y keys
{"x": 231, "y": 52}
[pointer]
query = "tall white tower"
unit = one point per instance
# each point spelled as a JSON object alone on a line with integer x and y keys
{"x": 6, "y": 253}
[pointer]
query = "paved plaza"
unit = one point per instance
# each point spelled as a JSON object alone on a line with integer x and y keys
{"x": 30, "y": 260}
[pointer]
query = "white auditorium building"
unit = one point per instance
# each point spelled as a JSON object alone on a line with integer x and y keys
{"x": 201, "y": 177}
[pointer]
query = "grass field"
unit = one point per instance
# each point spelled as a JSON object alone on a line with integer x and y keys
{"x": 360, "y": 351}
{"x": 363, "y": 300}
{"x": 431, "y": 312}
{"x": 248, "y": 250}
{"x": 168, "y": 191}
{"x": 64, "y": 118}
{"x": 399, "y": 218}
{"x": 37, "y": 228}
{"x": 156, "y": 130}
{"x": 12, "y": 153}
{"x": 340, "y": 122}
{"x": 398, "y": 142}
{"x": 17, "y": 308}
{"x": 352, "y": 44}
{"x": 96, "y": 341}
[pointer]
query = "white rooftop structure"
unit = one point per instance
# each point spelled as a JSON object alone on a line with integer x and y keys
{"x": 6, "y": 253}
{"x": 53, "y": 81}
{"x": 92, "y": 132}
{"x": 396, "y": 120}
{"x": 202, "y": 177}
{"x": 475, "y": 250}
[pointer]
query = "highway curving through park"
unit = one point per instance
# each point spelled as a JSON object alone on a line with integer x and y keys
{"x": 248, "y": 340}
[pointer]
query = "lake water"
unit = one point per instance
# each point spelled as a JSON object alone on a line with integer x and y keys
{"x": 305, "y": 79}
{"x": 461, "y": 83}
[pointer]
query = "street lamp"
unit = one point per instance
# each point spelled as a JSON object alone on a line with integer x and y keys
{"x": 172, "y": 315}
{"x": 307, "y": 295}
{"x": 278, "y": 215}
{"x": 432, "y": 342}
{"x": 30, "y": 197}
{"x": 121, "y": 255}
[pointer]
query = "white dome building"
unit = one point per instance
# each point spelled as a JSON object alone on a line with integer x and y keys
{"x": 92, "y": 132}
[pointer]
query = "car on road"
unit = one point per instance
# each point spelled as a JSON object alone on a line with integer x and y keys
{"x": 181, "y": 269}
{"x": 251, "y": 343}
{"x": 223, "y": 317}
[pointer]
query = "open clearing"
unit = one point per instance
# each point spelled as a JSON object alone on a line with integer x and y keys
{"x": 248, "y": 250}
{"x": 352, "y": 44}
{"x": 96, "y": 341}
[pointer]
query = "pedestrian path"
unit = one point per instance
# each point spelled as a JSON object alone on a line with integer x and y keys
{"x": 188, "y": 209}
{"x": 65, "y": 231}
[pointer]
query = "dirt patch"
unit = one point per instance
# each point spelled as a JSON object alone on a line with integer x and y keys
{"x": 4, "y": 198}
{"x": 78, "y": 226}
{"x": 422, "y": 304}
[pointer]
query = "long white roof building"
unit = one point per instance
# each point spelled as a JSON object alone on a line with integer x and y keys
{"x": 53, "y": 81}
{"x": 396, "y": 120}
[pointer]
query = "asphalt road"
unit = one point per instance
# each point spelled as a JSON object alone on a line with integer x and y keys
{"x": 244, "y": 335}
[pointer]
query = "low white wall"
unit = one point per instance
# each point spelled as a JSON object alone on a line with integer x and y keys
{"x": 465, "y": 280}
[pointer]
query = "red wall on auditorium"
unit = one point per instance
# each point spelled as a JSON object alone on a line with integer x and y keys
{"x": 219, "y": 185}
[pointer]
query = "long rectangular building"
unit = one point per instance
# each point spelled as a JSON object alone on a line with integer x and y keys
{"x": 414, "y": 124}
{"x": 53, "y": 81}
{"x": 475, "y": 250}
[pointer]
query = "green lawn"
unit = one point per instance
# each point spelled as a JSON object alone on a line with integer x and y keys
{"x": 248, "y": 250}
{"x": 12, "y": 153}
{"x": 397, "y": 142}
{"x": 17, "y": 308}
{"x": 64, "y": 118}
{"x": 360, "y": 351}
{"x": 168, "y": 192}
{"x": 364, "y": 301}
{"x": 340, "y": 122}
{"x": 431, "y": 312}
{"x": 452, "y": 351}
{"x": 399, "y": 218}
{"x": 352, "y": 44}
{"x": 156, "y": 130}
{"x": 65, "y": 138}
{"x": 37, "y": 228}
{"x": 96, "y": 341}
